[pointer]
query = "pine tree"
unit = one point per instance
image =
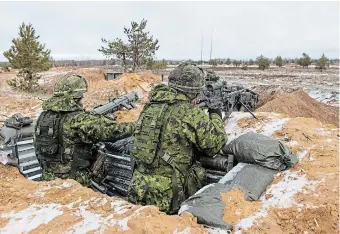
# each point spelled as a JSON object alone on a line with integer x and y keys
{"x": 322, "y": 62}
{"x": 29, "y": 56}
{"x": 278, "y": 61}
{"x": 262, "y": 62}
{"x": 140, "y": 47}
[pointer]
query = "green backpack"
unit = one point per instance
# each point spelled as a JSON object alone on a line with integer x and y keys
{"x": 147, "y": 133}
{"x": 47, "y": 137}
{"x": 149, "y": 128}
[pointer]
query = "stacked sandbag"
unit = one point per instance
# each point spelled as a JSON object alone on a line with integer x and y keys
{"x": 260, "y": 158}
{"x": 262, "y": 150}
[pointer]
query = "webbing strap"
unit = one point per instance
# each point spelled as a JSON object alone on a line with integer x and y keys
{"x": 169, "y": 159}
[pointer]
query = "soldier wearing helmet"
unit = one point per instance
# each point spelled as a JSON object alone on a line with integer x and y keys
{"x": 168, "y": 132}
{"x": 65, "y": 133}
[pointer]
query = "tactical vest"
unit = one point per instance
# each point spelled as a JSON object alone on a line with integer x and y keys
{"x": 148, "y": 134}
{"x": 50, "y": 147}
{"x": 147, "y": 152}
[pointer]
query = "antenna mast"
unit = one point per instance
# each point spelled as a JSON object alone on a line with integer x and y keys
{"x": 202, "y": 49}
{"x": 212, "y": 31}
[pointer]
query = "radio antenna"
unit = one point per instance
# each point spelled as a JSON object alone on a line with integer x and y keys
{"x": 212, "y": 31}
{"x": 202, "y": 49}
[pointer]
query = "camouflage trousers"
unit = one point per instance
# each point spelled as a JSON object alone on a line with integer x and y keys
{"x": 82, "y": 176}
{"x": 153, "y": 190}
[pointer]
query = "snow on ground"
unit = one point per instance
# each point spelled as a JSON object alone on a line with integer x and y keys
{"x": 30, "y": 218}
{"x": 275, "y": 123}
{"x": 282, "y": 193}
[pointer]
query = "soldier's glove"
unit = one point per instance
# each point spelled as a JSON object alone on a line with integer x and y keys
{"x": 215, "y": 111}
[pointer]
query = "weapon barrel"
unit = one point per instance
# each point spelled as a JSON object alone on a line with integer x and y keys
{"x": 217, "y": 163}
{"x": 116, "y": 103}
{"x": 202, "y": 104}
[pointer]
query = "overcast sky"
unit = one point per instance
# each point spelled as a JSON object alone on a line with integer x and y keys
{"x": 242, "y": 30}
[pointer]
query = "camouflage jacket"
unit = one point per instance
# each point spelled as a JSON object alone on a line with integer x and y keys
{"x": 187, "y": 129}
{"x": 83, "y": 129}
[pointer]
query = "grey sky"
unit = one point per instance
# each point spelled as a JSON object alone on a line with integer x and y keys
{"x": 242, "y": 30}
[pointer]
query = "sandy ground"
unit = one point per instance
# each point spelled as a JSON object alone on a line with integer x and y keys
{"x": 303, "y": 199}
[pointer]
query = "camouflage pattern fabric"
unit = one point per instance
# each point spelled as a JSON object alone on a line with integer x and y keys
{"x": 82, "y": 129}
{"x": 82, "y": 176}
{"x": 187, "y": 77}
{"x": 189, "y": 127}
{"x": 72, "y": 85}
{"x": 154, "y": 190}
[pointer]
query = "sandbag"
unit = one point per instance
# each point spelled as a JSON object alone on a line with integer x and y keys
{"x": 207, "y": 206}
{"x": 251, "y": 179}
{"x": 262, "y": 150}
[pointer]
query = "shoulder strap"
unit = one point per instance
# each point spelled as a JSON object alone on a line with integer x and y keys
{"x": 169, "y": 159}
{"x": 37, "y": 126}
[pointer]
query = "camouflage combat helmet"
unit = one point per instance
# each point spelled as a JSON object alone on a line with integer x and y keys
{"x": 73, "y": 85}
{"x": 187, "y": 77}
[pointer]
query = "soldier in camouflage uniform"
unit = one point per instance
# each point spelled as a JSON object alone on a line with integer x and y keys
{"x": 65, "y": 133}
{"x": 168, "y": 132}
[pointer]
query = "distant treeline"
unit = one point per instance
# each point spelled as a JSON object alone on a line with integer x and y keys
{"x": 105, "y": 62}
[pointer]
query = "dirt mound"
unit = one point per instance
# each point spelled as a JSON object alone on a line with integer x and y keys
{"x": 236, "y": 207}
{"x": 66, "y": 206}
{"x": 101, "y": 90}
{"x": 315, "y": 208}
{"x": 300, "y": 104}
{"x": 269, "y": 92}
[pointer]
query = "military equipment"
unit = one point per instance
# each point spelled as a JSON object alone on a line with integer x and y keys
{"x": 117, "y": 169}
{"x": 115, "y": 104}
{"x": 18, "y": 146}
{"x": 218, "y": 95}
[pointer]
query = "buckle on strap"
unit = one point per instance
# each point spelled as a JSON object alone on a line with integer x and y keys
{"x": 167, "y": 158}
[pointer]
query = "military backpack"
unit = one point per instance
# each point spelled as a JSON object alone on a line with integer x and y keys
{"x": 147, "y": 150}
{"x": 48, "y": 142}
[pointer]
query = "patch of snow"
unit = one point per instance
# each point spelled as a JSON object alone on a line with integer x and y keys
{"x": 302, "y": 154}
{"x": 284, "y": 190}
{"x": 185, "y": 231}
{"x": 90, "y": 222}
{"x": 238, "y": 212}
{"x": 275, "y": 123}
{"x": 291, "y": 143}
{"x": 273, "y": 126}
{"x": 218, "y": 231}
{"x": 30, "y": 218}
{"x": 326, "y": 96}
{"x": 123, "y": 209}
{"x": 3, "y": 158}
{"x": 117, "y": 203}
{"x": 323, "y": 132}
{"x": 232, "y": 129}
{"x": 282, "y": 196}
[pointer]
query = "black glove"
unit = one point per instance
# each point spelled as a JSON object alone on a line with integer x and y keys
{"x": 215, "y": 111}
